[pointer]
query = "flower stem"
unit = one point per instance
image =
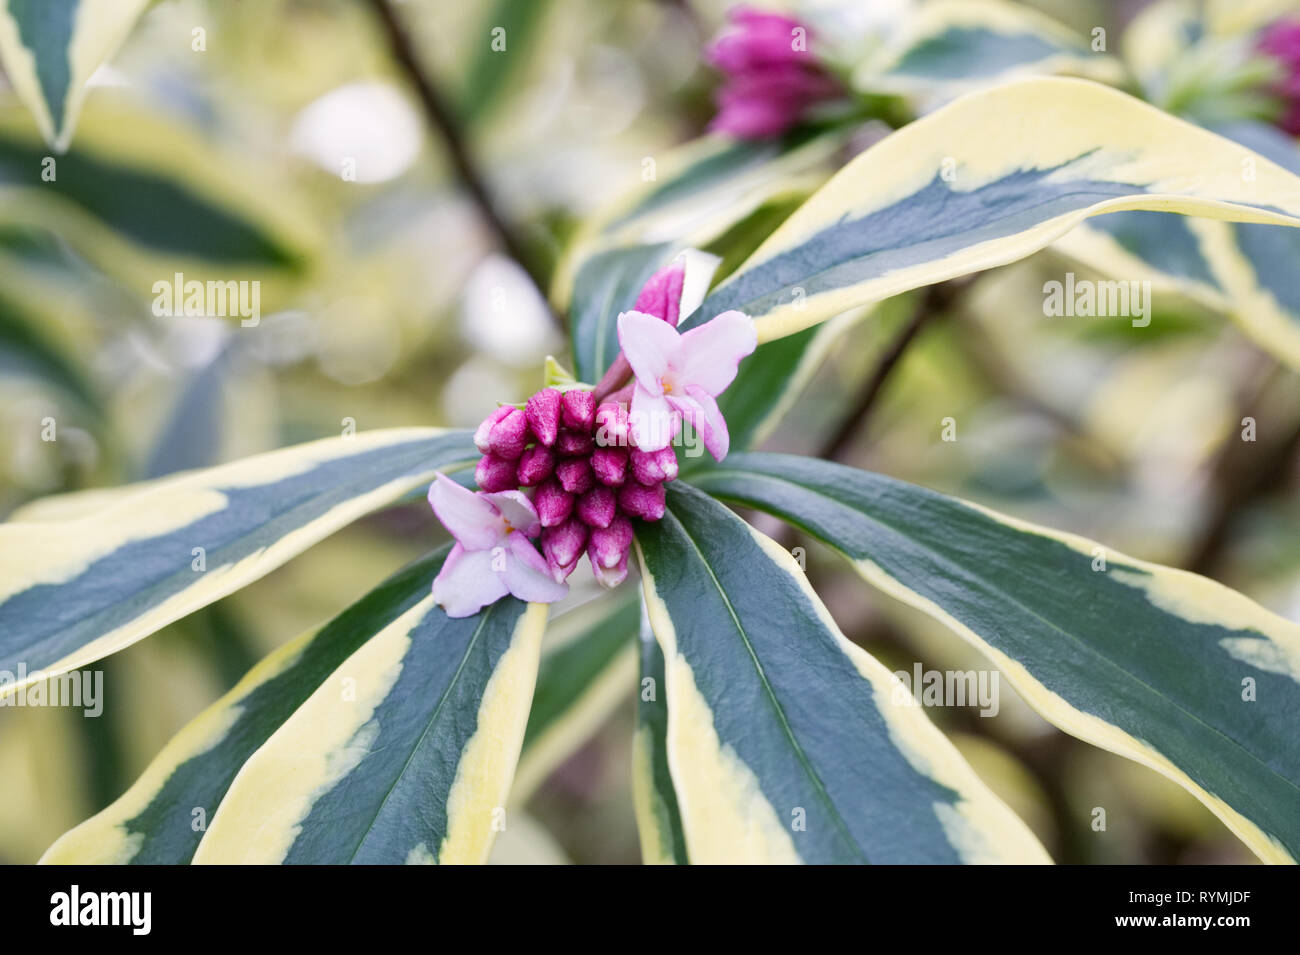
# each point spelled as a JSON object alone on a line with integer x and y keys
{"x": 440, "y": 118}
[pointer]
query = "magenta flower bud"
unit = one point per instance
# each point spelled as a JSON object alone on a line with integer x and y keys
{"x": 641, "y": 501}
{"x": 654, "y": 467}
{"x": 562, "y": 547}
{"x": 573, "y": 443}
{"x": 1282, "y": 42}
{"x": 611, "y": 425}
{"x": 609, "y": 465}
{"x": 579, "y": 409}
{"x": 495, "y": 474}
{"x": 597, "y": 507}
{"x": 771, "y": 78}
{"x": 574, "y": 474}
{"x": 482, "y": 436}
{"x": 536, "y": 465}
{"x": 508, "y": 437}
{"x": 543, "y": 413}
{"x": 608, "y": 548}
{"x": 553, "y": 504}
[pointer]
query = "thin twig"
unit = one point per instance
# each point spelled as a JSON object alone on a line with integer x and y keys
{"x": 1244, "y": 474}
{"x": 934, "y": 302}
{"x": 444, "y": 123}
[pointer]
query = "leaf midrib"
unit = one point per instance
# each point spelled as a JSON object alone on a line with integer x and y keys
{"x": 429, "y": 724}
{"x": 946, "y": 562}
{"x": 812, "y": 774}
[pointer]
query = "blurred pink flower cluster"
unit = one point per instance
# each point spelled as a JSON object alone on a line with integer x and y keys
{"x": 1281, "y": 41}
{"x": 771, "y": 77}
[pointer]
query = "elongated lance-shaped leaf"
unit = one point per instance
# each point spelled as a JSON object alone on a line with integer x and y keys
{"x": 155, "y": 821}
{"x": 1245, "y": 270}
{"x": 588, "y": 668}
{"x": 76, "y": 590}
{"x": 50, "y": 48}
{"x": 1255, "y": 264}
{"x": 27, "y": 351}
{"x": 404, "y": 754}
{"x": 658, "y": 819}
{"x": 1162, "y": 666}
{"x": 697, "y": 192}
{"x": 989, "y": 179}
{"x": 786, "y": 742}
{"x": 944, "y": 47}
{"x": 147, "y": 198}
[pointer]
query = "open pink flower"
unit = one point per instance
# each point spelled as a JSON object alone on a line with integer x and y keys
{"x": 493, "y": 555}
{"x": 679, "y": 376}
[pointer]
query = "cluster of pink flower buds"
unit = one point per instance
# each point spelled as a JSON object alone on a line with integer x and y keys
{"x": 1282, "y": 42}
{"x": 588, "y": 478}
{"x": 771, "y": 76}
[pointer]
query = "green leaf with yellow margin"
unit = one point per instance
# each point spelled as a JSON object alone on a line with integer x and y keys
{"x": 405, "y": 753}
{"x": 588, "y": 669}
{"x": 787, "y": 743}
{"x": 154, "y": 822}
{"x": 1162, "y": 666}
{"x": 946, "y": 47}
{"x": 658, "y": 817}
{"x": 989, "y": 179}
{"x": 144, "y": 197}
{"x": 73, "y": 591}
{"x": 50, "y": 48}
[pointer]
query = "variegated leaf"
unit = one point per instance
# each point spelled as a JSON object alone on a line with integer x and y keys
{"x": 785, "y": 742}
{"x": 1165, "y": 667}
{"x": 72, "y": 591}
{"x": 987, "y": 180}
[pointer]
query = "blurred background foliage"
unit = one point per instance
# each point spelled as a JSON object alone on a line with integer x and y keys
{"x": 385, "y": 302}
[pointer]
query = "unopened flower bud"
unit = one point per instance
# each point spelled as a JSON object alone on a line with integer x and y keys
{"x": 640, "y": 500}
{"x": 573, "y": 443}
{"x": 608, "y": 548}
{"x": 574, "y": 474}
{"x": 562, "y": 547}
{"x": 609, "y": 465}
{"x": 597, "y": 507}
{"x": 612, "y": 425}
{"x": 484, "y": 430}
{"x": 654, "y": 467}
{"x": 543, "y": 413}
{"x": 579, "y": 409}
{"x": 495, "y": 473}
{"x": 553, "y": 504}
{"x": 508, "y": 437}
{"x": 536, "y": 465}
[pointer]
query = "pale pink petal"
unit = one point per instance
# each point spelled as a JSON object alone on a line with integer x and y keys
{"x": 650, "y": 346}
{"x": 470, "y": 517}
{"x": 653, "y": 423}
{"x": 701, "y": 410}
{"x": 661, "y": 296}
{"x": 517, "y": 510}
{"x": 527, "y": 575}
{"x": 700, "y": 268}
{"x": 713, "y": 351}
{"x": 467, "y": 582}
